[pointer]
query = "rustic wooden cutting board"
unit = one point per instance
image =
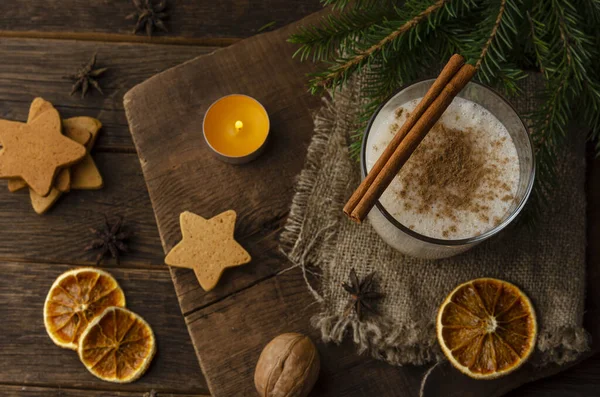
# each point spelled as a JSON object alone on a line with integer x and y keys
{"x": 230, "y": 325}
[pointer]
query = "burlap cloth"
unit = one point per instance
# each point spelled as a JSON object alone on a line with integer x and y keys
{"x": 548, "y": 263}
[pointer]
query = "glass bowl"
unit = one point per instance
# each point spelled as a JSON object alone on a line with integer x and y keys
{"x": 414, "y": 244}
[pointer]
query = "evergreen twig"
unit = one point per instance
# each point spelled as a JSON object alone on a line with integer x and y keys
{"x": 391, "y": 45}
{"x": 339, "y": 72}
{"x": 492, "y": 36}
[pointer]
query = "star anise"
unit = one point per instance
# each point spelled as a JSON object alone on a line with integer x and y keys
{"x": 86, "y": 76}
{"x": 149, "y": 16}
{"x": 361, "y": 294}
{"x": 110, "y": 239}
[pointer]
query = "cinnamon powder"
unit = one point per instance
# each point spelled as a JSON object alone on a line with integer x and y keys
{"x": 448, "y": 173}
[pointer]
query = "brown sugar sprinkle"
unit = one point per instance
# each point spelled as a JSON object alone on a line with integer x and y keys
{"x": 446, "y": 171}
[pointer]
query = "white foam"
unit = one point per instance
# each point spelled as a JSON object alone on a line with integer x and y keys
{"x": 488, "y": 135}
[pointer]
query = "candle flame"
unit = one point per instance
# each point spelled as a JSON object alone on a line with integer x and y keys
{"x": 238, "y": 126}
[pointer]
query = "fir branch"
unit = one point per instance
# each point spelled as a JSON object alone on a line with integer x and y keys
{"x": 384, "y": 78}
{"x": 592, "y": 11}
{"x": 497, "y": 33}
{"x": 492, "y": 36}
{"x": 390, "y": 45}
{"x": 339, "y": 72}
{"x": 564, "y": 57}
{"x": 538, "y": 45}
{"x": 340, "y": 30}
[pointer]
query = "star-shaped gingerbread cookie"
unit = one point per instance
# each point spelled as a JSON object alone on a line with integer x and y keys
{"x": 62, "y": 182}
{"x": 207, "y": 247}
{"x": 36, "y": 150}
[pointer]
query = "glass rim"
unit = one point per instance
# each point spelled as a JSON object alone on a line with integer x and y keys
{"x": 450, "y": 242}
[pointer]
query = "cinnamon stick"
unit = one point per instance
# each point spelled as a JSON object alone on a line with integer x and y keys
{"x": 410, "y": 142}
{"x": 451, "y": 68}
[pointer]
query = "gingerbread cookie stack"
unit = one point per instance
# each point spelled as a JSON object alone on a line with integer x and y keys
{"x": 49, "y": 155}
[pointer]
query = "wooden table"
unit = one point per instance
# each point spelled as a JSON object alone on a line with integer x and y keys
{"x": 41, "y": 41}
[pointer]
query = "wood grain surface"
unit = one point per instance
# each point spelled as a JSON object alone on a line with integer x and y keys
{"x": 183, "y": 175}
{"x": 592, "y": 303}
{"x": 34, "y": 249}
{"x": 256, "y": 302}
{"x": 61, "y": 235}
{"x": 32, "y": 391}
{"x": 29, "y": 357}
{"x": 32, "y": 68}
{"x": 222, "y": 21}
{"x": 41, "y": 41}
{"x": 242, "y": 324}
{"x": 580, "y": 381}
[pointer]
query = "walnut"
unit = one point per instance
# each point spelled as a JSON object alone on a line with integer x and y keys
{"x": 287, "y": 367}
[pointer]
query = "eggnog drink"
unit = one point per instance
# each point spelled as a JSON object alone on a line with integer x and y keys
{"x": 462, "y": 179}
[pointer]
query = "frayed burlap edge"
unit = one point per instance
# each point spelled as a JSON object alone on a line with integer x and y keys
{"x": 400, "y": 345}
{"x": 392, "y": 343}
{"x": 397, "y": 345}
{"x": 299, "y": 252}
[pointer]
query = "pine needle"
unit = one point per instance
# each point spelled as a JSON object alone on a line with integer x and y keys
{"x": 391, "y": 45}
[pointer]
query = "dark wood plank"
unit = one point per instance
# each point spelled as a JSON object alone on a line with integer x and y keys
{"x": 29, "y": 357}
{"x": 266, "y": 261}
{"x": 61, "y": 234}
{"x": 32, "y": 391}
{"x": 592, "y": 304}
{"x": 32, "y": 68}
{"x": 254, "y": 303}
{"x": 188, "y": 19}
{"x": 283, "y": 304}
{"x": 229, "y": 330}
{"x": 341, "y": 359}
{"x": 444, "y": 380}
{"x": 183, "y": 175}
{"x": 581, "y": 380}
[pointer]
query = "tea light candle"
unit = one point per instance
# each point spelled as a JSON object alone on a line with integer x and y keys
{"x": 236, "y": 128}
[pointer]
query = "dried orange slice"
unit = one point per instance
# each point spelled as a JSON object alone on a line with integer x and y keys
{"x": 117, "y": 346}
{"x": 75, "y": 298}
{"x": 486, "y": 328}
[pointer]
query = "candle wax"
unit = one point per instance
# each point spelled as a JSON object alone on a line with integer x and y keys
{"x": 220, "y": 125}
